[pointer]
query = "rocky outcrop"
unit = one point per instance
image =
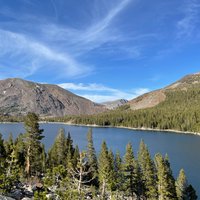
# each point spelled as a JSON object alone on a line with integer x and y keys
{"x": 18, "y": 97}
{"x": 147, "y": 100}
{"x": 115, "y": 104}
{"x": 5, "y": 198}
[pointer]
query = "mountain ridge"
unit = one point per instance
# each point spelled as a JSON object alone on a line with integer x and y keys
{"x": 18, "y": 97}
{"x": 154, "y": 98}
{"x": 114, "y": 104}
{"x": 179, "y": 109}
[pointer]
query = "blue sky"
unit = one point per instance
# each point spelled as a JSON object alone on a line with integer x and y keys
{"x": 100, "y": 49}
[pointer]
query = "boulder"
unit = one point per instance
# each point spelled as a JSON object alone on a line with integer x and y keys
{"x": 5, "y": 198}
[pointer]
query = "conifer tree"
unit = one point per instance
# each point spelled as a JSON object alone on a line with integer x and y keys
{"x": 69, "y": 150}
{"x": 61, "y": 147}
{"x": 8, "y": 144}
{"x": 2, "y": 149}
{"x": 112, "y": 175}
{"x": 92, "y": 159}
{"x": 181, "y": 186}
{"x": 57, "y": 154}
{"x": 2, "y": 157}
{"x": 20, "y": 152}
{"x": 104, "y": 169}
{"x": 164, "y": 179}
{"x": 147, "y": 171}
{"x": 131, "y": 171}
{"x": 171, "y": 179}
{"x": 191, "y": 193}
{"x": 33, "y": 139}
{"x": 43, "y": 159}
{"x": 119, "y": 175}
{"x": 76, "y": 157}
{"x": 78, "y": 175}
{"x": 9, "y": 171}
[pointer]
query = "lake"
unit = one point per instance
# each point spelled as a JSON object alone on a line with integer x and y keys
{"x": 183, "y": 149}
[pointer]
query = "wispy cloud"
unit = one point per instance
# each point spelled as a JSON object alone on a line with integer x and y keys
{"x": 101, "y": 93}
{"x": 187, "y": 25}
{"x": 86, "y": 87}
{"x": 93, "y": 32}
{"x": 59, "y": 47}
{"x": 81, "y": 41}
{"x": 35, "y": 55}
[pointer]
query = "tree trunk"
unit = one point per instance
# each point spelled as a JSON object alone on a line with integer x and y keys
{"x": 80, "y": 177}
{"x": 27, "y": 168}
{"x": 103, "y": 189}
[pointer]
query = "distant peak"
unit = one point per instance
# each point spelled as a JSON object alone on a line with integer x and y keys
{"x": 197, "y": 73}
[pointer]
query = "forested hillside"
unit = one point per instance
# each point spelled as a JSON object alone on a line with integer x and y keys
{"x": 179, "y": 111}
{"x": 66, "y": 173}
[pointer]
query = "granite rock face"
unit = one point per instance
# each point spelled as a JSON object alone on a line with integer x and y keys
{"x": 18, "y": 97}
{"x": 115, "y": 104}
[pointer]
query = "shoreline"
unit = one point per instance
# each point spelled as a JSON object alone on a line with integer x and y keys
{"x": 122, "y": 127}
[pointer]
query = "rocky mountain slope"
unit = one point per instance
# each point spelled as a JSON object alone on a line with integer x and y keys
{"x": 154, "y": 98}
{"x": 114, "y": 104}
{"x": 175, "y": 107}
{"x": 17, "y": 97}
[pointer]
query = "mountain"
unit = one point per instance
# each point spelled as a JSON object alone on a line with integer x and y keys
{"x": 175, "y": 107}
{"x": 114, "y": 104}
{"x": 154, "y": 98}
{"x": 18, "y": 97}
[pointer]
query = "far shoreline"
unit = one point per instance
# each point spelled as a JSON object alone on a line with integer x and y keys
{"x": 122, "y": 127}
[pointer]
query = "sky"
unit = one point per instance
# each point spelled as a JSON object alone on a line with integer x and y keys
{"x": 100, "y": 49}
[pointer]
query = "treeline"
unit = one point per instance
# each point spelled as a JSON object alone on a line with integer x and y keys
{"x": 180, "y": 111}
{"x": 73, "y": 174}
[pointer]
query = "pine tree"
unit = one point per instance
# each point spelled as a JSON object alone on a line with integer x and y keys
{"x": 191, "y": 193}
{"x": 78, "y": 175}
{"x": 112, "y": 175}
{"x": 118, "y": 167}
{"x": 9, "y": 171}
{"x": 20, "y": 152}
{"x": 76, "y": 157}
{"x": 69, "y": 150}
{"x": 61, "y": 147}
{"x": 147, "y": 170}
{"x": 43, "y": 158}
{"x": 33, "y": 139}
{"x": 104, "y": 169}
{"x": 2, "y": 156}
{"x": 8, "y": 144}
{"x": 57, "y": 153}
{"x": 92, "y": 159}
{"x": 92, "y": 162}
{"x": 2, "y": 148}
{"x": 131, "y": 171}
{"x": 181, "y": 186}
{"x": 164, "y": 179}
{"x": 171, "y": 180}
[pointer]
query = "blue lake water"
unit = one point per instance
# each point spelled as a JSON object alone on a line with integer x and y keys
{"x": 183, "y": 149}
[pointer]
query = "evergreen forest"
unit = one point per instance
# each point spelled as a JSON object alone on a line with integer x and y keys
{"x": 180, "y": 111}
{"x": 67, "y": 173}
